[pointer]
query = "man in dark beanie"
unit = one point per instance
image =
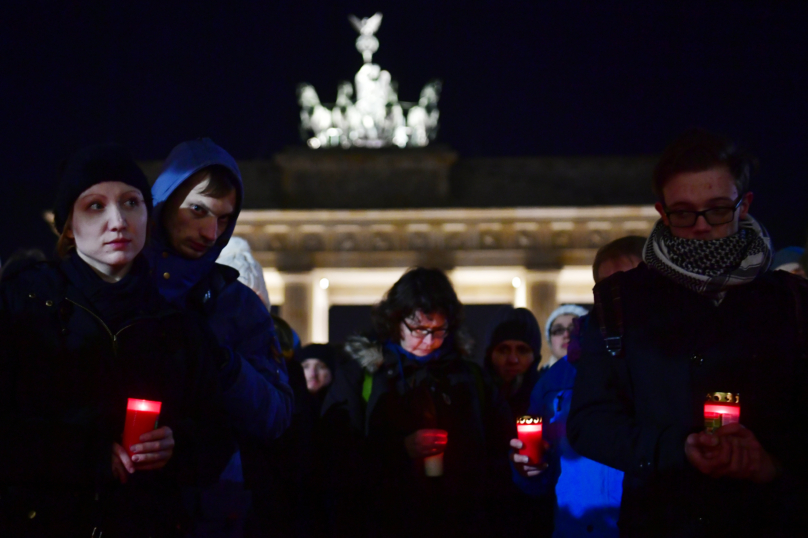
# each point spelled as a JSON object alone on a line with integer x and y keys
{"x": 318, "y": 362}
{"x": 512, "y": 357}
{"x": 513, "y": 351}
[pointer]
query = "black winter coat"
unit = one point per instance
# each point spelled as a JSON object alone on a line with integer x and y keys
{"x": 634, "y": 412}
{"x": 64, "y": 382}
{"x": 447, "y": 393}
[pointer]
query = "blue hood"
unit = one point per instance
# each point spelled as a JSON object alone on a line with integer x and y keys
{"x": 173, "y": 274}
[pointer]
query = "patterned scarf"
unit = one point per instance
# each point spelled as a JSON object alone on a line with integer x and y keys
{"x": 710, "y": 267}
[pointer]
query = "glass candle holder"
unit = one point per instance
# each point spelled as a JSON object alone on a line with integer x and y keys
{"x": 720, "y": 409}
{"x": 529, "y": 431}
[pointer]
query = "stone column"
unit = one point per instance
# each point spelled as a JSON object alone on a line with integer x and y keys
{"x": 318, "y": 315}
{"x": 542, "y": 298}
{"x": 296, "y": 309}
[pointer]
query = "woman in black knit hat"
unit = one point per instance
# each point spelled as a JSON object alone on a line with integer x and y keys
{"x": 513, "y": 354}
{"x": 80, "y": 336}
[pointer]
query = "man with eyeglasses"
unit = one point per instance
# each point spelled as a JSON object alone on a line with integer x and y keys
{"x": 703, "y": 314}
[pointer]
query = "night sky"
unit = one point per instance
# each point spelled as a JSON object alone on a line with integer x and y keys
{"x": 520, "y": 79}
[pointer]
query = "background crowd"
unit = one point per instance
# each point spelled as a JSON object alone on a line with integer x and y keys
{"x": 395, "y": 432}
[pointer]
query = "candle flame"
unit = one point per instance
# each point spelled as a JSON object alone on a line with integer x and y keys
{"x": 149, "y": 406}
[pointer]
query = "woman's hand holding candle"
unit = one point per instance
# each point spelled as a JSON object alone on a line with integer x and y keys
{"x": 521, "y": 461}
{"x": 427, "y": 442}
{"x": 152, "y": 453}
{"x": 731, "y": 451}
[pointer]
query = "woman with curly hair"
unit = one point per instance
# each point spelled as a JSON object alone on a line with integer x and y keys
{"x": 426, "y": 421}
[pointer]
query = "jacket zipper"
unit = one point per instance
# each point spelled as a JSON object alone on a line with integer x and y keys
{"x": 104, "y": 325}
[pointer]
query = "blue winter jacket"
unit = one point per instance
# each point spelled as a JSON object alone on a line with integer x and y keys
{"x": 254, "y": 381}
{"x": 587, "y": 492}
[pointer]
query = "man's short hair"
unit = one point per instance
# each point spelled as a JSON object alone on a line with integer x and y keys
{"x": 630, "y": 246}
{"x": 697, "y": 150}
{"x": 220, "y": 181}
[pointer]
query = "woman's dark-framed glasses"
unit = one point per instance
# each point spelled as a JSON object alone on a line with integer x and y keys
{"x": 423, "y": 332}
{"x": 559, "y": 330}
{"x": 714, "y": 216}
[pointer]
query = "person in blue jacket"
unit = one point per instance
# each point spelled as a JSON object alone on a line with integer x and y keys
{"x": 587, "y": 493}
{"x": 197, "y": 199}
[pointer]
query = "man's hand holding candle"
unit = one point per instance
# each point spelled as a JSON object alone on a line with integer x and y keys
{"x": 731, "y": 451}
{"x": 152, "y": 453}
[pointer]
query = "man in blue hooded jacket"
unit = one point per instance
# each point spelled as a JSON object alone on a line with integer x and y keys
{"x": 197, "y": 199}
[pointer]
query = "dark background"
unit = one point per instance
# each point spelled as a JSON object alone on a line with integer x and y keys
{"x": 520, "y": 79}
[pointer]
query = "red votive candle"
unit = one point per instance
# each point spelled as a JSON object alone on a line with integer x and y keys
{"x": 529, "y": 431}
{"x": 721, "y": 408}
{"x": 141, "y": 417}
{"x": 433, "y": 465}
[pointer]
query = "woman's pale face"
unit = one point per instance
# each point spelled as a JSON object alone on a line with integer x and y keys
{"x": 109, "y": 227}
{"x": 318, "y": 375}
{"x": 559, "y": 341}
{"x": 421, "y": 334}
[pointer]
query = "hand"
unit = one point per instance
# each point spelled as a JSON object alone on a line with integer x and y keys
{"x": 423, "y": 443}
{"x": 521, "y": 462}
{"x": 122, "y": 466}
{"x": 732, "y": 451}
{"x": 154, "y": 450}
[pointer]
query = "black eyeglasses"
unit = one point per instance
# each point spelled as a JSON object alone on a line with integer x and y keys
{"x": 714, "y": 216}
{"x": 423, "y": 332}
{"x": 558, "y": 331}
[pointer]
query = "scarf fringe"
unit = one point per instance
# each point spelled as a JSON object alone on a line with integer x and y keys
{"x": 713, "y": 265}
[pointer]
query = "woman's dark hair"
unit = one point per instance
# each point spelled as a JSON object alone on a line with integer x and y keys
{"x": 427, "y": 290}
{"x": 697, "y": 150}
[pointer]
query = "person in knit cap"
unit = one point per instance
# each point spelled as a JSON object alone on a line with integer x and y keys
{"x": 557, "y": 331}
{"x": 513, "y": 354}
{"x": 197, "y": 199}
{"x": 318, "y": 361}
{"x": 79, "y": 337}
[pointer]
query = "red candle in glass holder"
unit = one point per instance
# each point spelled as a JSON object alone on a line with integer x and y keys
{"x": 721, "y": 408}
{"x": 529, "y": 431}
{"x": 141, "y": 417}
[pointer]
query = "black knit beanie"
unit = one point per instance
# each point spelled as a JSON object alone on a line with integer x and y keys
{"x": 324, "y": 352}
{"x": 515, "y": 324}
{"x": 92, "y": 165}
